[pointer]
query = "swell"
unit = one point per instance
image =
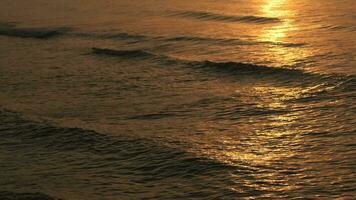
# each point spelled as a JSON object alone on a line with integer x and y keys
{"x": 337, "y": 28}
{"x": 230, "y": 41}
{"x": 222, "y": 67}
{"x": 148, "y": 156}
{"x": 37, "y": 33}
{"x": 185, "y": 38}
{"x": 118, "y": 36}
{"x": 122, "y": 53}
{"x": 10, "y": 30}
{"x": 284, "y": 74}
{"x": 5, "y": 195}
{"x": 207, "y": 39}
{"x": 112, "y": 163}
{"x": 227, "y": 18}
{"x": 246, "y": 68}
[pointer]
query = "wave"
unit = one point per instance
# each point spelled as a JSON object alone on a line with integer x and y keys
{"x": 210, "y": 40}
{"x": 122, "y": 53}
{"x": 187, "y": 38}
{"x": 7, "y": 24}
{"x": 197, "y": 38}
{"x": 226, "y": 67}
{"x": 119, "y": 36}
{"x": 146, "y": 151}
{"x": 231, "y": 41}
{"x": 5, "y": 195}
{"x": 283, "y": 74}
{"x": 339, "y": 27}
{"x": 10, "y": 29}
{"x": 152, "y": 116}
{"x": 227, "y": 18}
{"x": 46, "y": 33}
{"x": 230, "y": 67}
{"x": 261, "y": 71}
{"x": 123, "y": 36}
{"x": 113, "y": 163}
{"x": 37, "y": 33}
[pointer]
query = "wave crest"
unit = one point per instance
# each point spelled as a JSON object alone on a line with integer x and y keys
{"x": 37, "y": 33}
{"x": 246, "y": 68}
{"x": 122, "y": 53}
{"x": 231, "y": 41}
{"x": 22, "y": 196}
{"x": 231, "y": 68}
{"x": 163, "y": 161}
{"x": 228, "y": 18}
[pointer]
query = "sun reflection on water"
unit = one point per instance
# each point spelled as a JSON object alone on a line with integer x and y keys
{"x": 273, "y": 8}
{"x": 267, "y": 134}
{"x": 281, "y": 33}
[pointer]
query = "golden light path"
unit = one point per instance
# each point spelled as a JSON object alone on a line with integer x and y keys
{"x": 269, "y": 138}
{"x": 280, "y": 33}
{"x": 273, "y": 138}
{"x": 274, "y": 9}
{"x": 270, "y": 98}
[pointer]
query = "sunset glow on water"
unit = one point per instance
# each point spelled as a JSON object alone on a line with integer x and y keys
{"x": 177, "y": 99}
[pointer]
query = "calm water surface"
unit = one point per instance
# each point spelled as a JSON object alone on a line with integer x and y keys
{"x": 177, "y": 99}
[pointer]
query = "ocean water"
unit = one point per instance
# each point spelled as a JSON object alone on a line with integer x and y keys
{"x": 230, "y": 99}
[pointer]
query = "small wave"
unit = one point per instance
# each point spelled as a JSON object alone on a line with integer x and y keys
{"x": 230, "y": 68}
{"x": 152, "y": 116}
{"x": 338, "y": 27}
{"x": 37, "y": 33}
{"x": 211, "y": 40}
{"x": 10, "y": 29}
{"x": 286, "y": 44}
{"x": 5, "y": 195}
{"x": 122, "y": 53}
{"x": 196, "y": 38}
{"x": 228, "y": 18}
{"x": 57, "y": 138}
{"x": 231, "y": 41}
{"x": 245, "y": 68}
{"x": 119, "y": 36}
{"x": 7, "y": 25}
{"x": 128, "y": 158}
{"x": 123, "y": 36}
{"x": 283, "y": 73}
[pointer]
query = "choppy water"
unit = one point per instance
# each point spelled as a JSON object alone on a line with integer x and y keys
{"x": 178, "y": 99}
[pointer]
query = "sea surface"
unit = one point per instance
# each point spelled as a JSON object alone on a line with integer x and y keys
{"x": 178, "y": 99}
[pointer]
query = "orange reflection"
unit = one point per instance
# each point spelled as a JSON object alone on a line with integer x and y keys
{"x": 280, "y": 33}
{"x": 263, "y": 138}
{"x": 274, "y": 8}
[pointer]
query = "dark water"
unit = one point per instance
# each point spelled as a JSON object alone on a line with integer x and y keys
{"x": 178, "y": 100}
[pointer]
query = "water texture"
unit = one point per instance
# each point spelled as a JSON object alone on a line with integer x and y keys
{"x": 177, "y": 100}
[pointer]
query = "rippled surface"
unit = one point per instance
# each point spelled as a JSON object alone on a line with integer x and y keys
{"x": 173, "y": 99}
